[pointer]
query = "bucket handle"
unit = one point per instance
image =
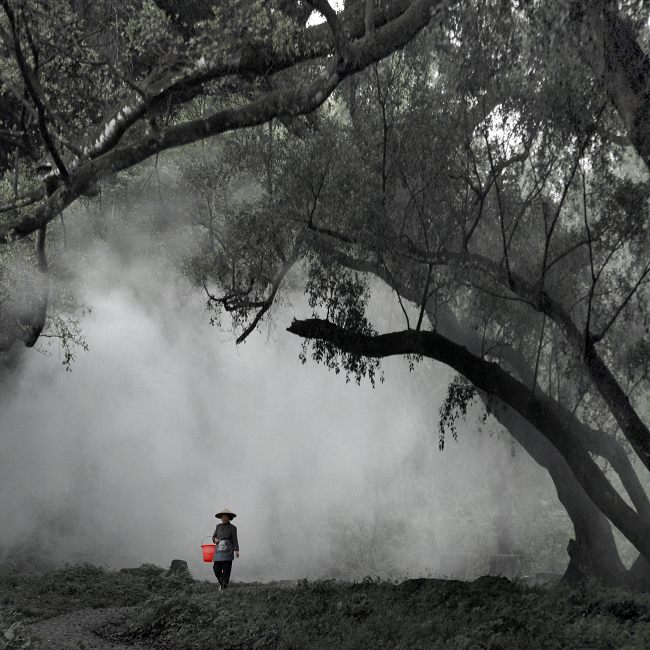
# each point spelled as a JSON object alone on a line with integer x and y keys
{"x": 206, "y": 537}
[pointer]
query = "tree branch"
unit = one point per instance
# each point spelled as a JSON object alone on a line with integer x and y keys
{"x": 257, "y": 58}
{"x": 492, "y": 379}
{"x": 279, "y": 103}
{"x": 30, "y": 87}
{"x": 596, "y": 441}
{"x": 268, "y": 302}
{"x": 617, "y": 312}
{"x": 631, "y": 424}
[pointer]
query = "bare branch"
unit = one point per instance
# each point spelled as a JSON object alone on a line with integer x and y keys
{"x": 31, "y": 89}
{"x": 565, "y": 190}
{"x": 275, "y": 286}
{"x": 425, "y": 297}
{"x": 500, "y": 206}
{"x": 560, "y": 256}
{"x": 590, "y": 248}
{"x": 393, "y": 286}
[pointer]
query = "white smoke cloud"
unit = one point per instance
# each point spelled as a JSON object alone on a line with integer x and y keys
{"x": 164, "y": 420}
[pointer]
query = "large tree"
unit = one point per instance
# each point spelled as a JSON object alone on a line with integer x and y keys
{"x": 481, "y": 171}
{"x": 511, "y": 219}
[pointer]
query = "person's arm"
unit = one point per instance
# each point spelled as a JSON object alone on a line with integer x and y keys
{"x": 215, "y": 538}
{"x": 235, "y": 543}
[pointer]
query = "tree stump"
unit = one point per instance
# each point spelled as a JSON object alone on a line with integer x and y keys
{"x": 179, "y": 566}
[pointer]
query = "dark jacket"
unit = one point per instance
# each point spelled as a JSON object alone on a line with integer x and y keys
{"x": 227, "y": 532}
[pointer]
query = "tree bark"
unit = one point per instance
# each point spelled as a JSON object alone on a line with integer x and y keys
{"x": 598, "y": 558}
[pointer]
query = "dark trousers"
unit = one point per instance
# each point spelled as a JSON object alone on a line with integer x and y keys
{"x": 222, "y": 571}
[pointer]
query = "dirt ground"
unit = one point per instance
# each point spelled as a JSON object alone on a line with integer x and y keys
{"x": 78, "y": 629}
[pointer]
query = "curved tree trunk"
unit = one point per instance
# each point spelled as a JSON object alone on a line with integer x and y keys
{"x": 593, "y": 552}
{"x": 490, "y": 377}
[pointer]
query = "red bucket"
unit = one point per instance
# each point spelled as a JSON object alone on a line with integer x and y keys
{"x": 208, "y": 550}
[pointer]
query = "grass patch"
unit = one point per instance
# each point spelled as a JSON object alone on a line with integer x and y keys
{"x": 47, "y": 594}
{"x": 488, "y": 613}
{"x": 181, "y": 613}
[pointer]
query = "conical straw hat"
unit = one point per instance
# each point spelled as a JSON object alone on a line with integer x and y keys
{"x": 225, "y": 511}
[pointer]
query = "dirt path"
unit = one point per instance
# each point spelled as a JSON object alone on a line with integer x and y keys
{"x": 76, "y": 630}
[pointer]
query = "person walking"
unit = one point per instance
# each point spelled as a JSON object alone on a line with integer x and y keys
{"x": 225, "y": 537}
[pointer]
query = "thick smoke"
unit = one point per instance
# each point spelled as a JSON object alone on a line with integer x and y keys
{"x": 164, "y": 420}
